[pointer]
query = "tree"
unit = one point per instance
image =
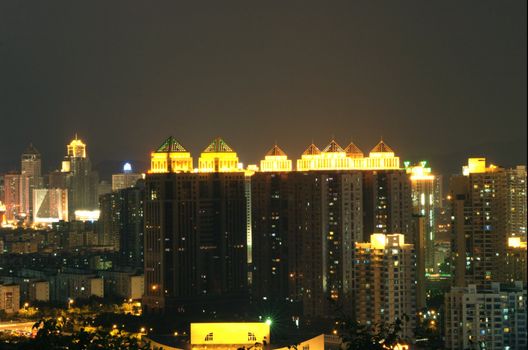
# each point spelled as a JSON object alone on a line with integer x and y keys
{"x": 50, "y": 335}
{"x": 355, "y": 336}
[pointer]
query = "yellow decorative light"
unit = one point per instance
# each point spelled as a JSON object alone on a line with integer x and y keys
{"x": 275, "y": 160}
{"x": 76, "y": 148}
{"x": 218, "y": 157}
{"x": 333, "y": 157}
{"x": 171, "y": 156}
{"x": 420, "y": 172}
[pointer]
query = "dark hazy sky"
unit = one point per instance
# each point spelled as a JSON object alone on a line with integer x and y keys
{"x": 436, "y": 79}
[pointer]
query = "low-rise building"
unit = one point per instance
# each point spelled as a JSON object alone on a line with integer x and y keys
{"x": 9, "y": 298}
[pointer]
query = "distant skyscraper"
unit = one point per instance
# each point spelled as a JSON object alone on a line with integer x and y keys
{"x": 30, "y": 167}
{"x": 31, "y": 163}
{"x": 425, "y": 190}
{"x": 121, "y": 224}
{"x": 195, "y": 228}
{"x": 126, "y": 179}
{"x": 12, "y": 196}
{"x": 81, "y": 180}
{"x": 384, "y": 286}
{"x": 489, "y": 207}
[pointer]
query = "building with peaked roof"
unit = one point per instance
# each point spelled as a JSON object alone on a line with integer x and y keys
{"x": 218, "y": 157}
{"x": 171, "y": 157}
{"x": 382, "y": 157}
{"x": 334, "y": 157}
{"x": 275, "y": 160}
{"x": 353, "y": 151}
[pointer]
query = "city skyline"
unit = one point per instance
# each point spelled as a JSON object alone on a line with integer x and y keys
{"x": 265, "y": 176}
{"x": 107, "y": 167}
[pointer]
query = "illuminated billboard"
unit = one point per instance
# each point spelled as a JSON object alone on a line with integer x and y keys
{"x": 229, "y": 333}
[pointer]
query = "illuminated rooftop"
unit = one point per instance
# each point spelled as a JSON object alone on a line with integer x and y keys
{"x": 353, "y": 151}
{"x": 311, "y": 150}
{"x": 275, "y": 151}
{"x": 477, "y": 166}
{"x": 170, "y": 145}
{"x": 218, "y": 145}
{"x": 218, "y": 157}
{"x": 419, "y": 172}
{"x": 334, "y": 157}
{"x": 172, "y": 157}
{"x": 76, "y": 148}
{"x": 31, "y": 150}
{"x": 333, "y": 147}
{"x": 276, "y": 160}
{"x": 382, "y": 147}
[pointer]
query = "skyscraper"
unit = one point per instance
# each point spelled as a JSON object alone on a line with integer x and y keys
{"x": 81, "y": 180}
{"x": 195, "y": 228}
{"x": 304, "y": 226}
{"x": 425, "y": 190}
{"x": 31, "y": 168}
{"x": 121, "y": 224}
{"x": 489, "y": 207}
{"x": 387, "y": 202}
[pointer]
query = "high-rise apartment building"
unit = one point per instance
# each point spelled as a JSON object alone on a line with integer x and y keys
{"x": 384, "y": 282}
{"x": 490, "y": 318}
{"x": 195, "y": 229}
{"x": 304, "y": 228}
{"x": 306, "y": 222}
{"x": 488, "y": 207}
{"x": 387, "y": 203}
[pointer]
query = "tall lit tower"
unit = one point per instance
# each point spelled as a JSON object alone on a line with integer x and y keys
{"x": 81, "y": 180}
{"x": 424, "y": 191}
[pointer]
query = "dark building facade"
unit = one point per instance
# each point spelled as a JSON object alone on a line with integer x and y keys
{"x": 195, "y": 238}
{"x": 122, "y": 225}
{"x": 304, "y": 228}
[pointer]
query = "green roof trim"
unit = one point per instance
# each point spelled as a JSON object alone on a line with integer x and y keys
{"x": 218, "y": 145}
{"x": 170, "y": 145}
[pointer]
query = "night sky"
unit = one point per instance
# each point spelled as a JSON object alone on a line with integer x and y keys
{"x": 438, "y": 80}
